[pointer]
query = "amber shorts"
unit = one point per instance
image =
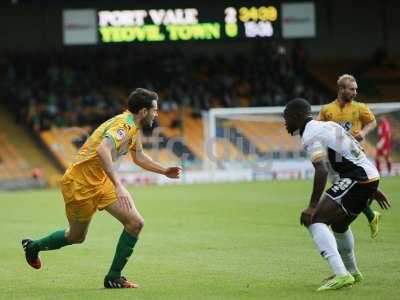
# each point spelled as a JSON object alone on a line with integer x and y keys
{"x": 83, "y": 200}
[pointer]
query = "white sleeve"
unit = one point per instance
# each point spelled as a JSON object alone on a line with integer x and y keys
{"x": 315, "y": 149}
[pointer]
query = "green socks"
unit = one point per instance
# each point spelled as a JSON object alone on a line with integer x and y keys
{"x": 369, "y": 213}
{"x": 123, "y": 252}
{"x": 53, "y": 241}
{"x": 124, "y": 249}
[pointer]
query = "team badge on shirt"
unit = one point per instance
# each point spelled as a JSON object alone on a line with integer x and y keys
{"x": 120, "y": 134}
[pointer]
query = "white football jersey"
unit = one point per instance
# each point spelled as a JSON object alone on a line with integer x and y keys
{"x": 344, "y": 153}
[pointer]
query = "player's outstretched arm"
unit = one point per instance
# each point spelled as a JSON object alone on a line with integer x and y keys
{"x": 146, "y": 162}
{"x": 380, "y": 197}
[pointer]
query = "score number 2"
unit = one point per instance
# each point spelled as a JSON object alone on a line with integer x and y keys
{"x": 230, "y": 15}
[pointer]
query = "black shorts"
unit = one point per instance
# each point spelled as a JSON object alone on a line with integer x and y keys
{"x": 351, "y": 195}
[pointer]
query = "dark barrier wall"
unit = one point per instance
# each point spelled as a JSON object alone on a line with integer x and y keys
{"x": 345, "y": 29}
{"x": 356, "y": 28}
{"x": 33, "y": 26}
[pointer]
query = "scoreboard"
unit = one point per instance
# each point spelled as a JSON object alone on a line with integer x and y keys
{"x": 187, "y": 24}
{"x": 222, "y": 20}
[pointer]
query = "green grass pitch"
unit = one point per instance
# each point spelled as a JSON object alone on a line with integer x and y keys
{"x": 220, "y": 241}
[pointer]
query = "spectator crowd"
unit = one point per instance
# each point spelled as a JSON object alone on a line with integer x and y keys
{"x": 85, "y": 86}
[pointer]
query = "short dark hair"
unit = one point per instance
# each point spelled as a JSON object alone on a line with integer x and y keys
{"x": 141, "y": 98}
{"x": 298, "y": 105}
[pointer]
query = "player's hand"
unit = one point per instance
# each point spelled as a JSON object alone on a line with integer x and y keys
{"x": 359, "y": 137}
{"x": 173, "y": 172}
{"x": 382, "y": 200}
{"x": 124, "y": 198}
{"x": 307, "y": 216}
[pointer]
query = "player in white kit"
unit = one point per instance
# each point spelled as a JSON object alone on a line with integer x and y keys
{"x": 329, "y": 146}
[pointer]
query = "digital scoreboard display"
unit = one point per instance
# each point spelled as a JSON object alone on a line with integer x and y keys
{"x": 187, "y": 24}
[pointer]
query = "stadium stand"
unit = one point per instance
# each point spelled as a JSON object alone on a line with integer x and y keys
{"x": 194, "y": 139}
{"x": 62, "y": 91}
{"x": 386, "y": 78}
{"x": 12, "y": 165}
{"x": 65, "y": 91}
{"x": 28, "y": 149}
{"x": 72, "y": 94}
{"x": 378, "y": 76}
{"x": 166, "y": 121}
{"x": 327, "y": 72}
{"x": 267, "y": 136}
{"x": 62, "y": 143}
